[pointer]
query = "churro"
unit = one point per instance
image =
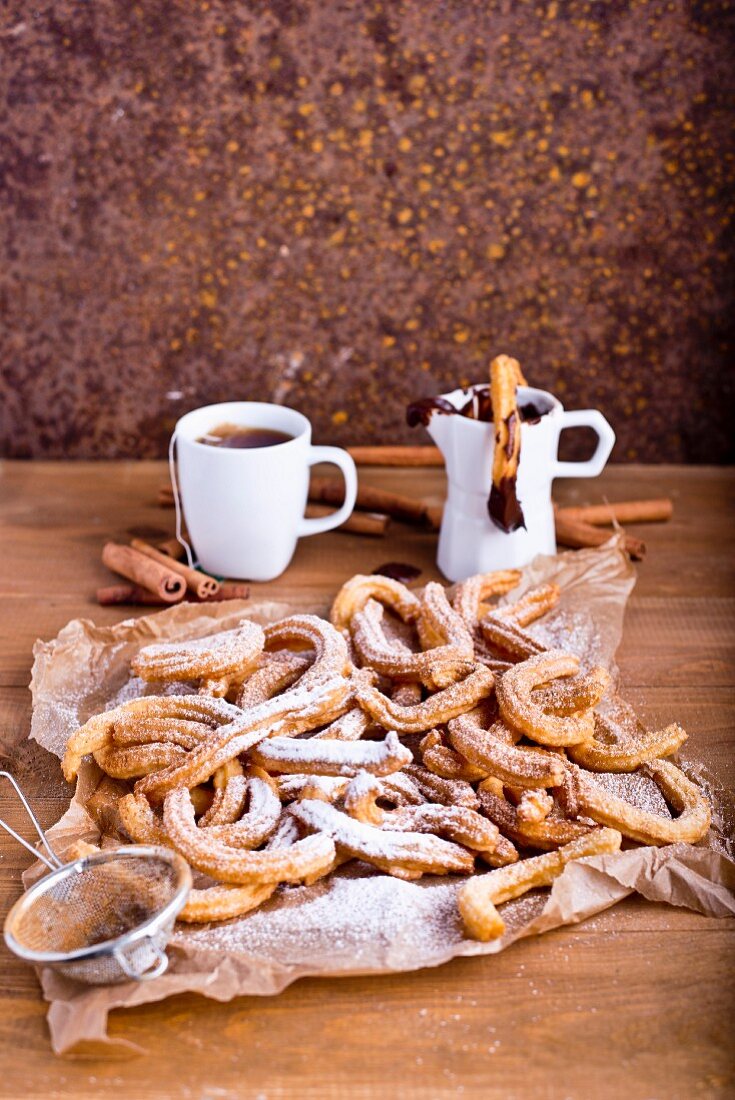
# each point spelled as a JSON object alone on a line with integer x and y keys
{"x": 606, "y": 751}
{"x": 99, "y": 730}
{"x": 471, "y": 596}
{"x": 494, "y": 753}
{"x": 503, "y": 505}
{"x": 405, "y": 855}
{"x": 502, "y": 628}
{"x": 547, "y": 833}
{"x": 479, "y": 897}
{"x": 215, "y": 662}
{"x": 229, "y": 864}
{"x": 519, "y": 707}
{"x": 353, "y": 596}
{"x": 641, "y": 825}
{"x": 332, "y": 757}
{"x": 440, "y": 707}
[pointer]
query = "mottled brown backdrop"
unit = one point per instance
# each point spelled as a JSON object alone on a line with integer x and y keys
{"x": 345, "y": 205}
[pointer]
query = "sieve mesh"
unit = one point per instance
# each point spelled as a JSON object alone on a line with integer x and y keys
{"x": 96, "y": 903}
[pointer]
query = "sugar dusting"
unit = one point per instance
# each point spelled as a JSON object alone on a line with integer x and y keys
{"x": 354, "y": 920}
{"x": 639, "y": 790}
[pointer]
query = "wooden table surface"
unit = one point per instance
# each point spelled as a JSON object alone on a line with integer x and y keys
{"x": 637, "y": 1002}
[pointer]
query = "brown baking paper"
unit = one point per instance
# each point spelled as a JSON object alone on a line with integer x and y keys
{"x": 355, "y": 922}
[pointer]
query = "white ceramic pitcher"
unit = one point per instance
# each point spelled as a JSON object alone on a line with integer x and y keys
{"x": 469, "y": 541}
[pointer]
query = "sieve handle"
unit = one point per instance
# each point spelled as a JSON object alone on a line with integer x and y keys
{"x": 154, "y": 971}
{"x": 52, "y": 861}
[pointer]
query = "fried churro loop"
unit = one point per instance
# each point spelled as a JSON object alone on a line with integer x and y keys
{"x": 296, "y": 711}
{"x": 354, "y": 594}
{"x": 322, "y": 694}
{"x": 449, "y": 792}
{"x": 550, "y": 832}
{"x": 222, "y": 902}
{"x": 320, "y": 757}
{"x": 361, "y": 799}
{"x": 479, "y": 897}
{"x": 519, "y": 708}
{"x": 472, "y": 594}
{"x": 227, "y": 804}
{"x": 608, "y": 752}
{"x": 502, "y": 628}
{"x": 456, "y": 823}
{"x": 444, "y": 761}
{"x": 641, "y": 825}
{"x": 405, "y": 855}
{"x": 275, "y": 672}
{"x": 256, "y": 824}
{"x": 134, "y": 761}
{"x": 506, "y": 637}
{"x": 531, "y": 605}
{"x": 439, "y": 624}
{"x": 435, "y": 667}
{"x": 228, "y": 864}
{"x": 140, "y": 822}
{"x": 99, "y": 731}
{"x": 505, "y": 852}
{"x": 575, "y": 694}
{"x": 168, "y": 731}
{"x": 440, "y": 707}
{"x": 493, "y": 752}
{"x": 218, "y": 660}
{"x": 331, "y": 654}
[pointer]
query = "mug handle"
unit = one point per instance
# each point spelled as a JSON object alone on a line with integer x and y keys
{"x": 337, "y": 457}
{"x": 587, "y": 418}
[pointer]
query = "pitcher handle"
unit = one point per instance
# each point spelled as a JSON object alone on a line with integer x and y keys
{"x": 345, "y": 462}
{"x": 586, "y": 418}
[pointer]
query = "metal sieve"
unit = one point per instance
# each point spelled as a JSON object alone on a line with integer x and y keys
{"x": 103, "y": 918}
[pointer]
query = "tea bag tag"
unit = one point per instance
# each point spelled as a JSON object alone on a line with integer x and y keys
{"x": 177, "y": 502}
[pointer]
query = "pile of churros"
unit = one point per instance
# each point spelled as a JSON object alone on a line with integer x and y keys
{"x": 421, "y": 732}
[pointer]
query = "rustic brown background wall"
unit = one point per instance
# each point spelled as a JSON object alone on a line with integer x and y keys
{"x": 346, "y": 205}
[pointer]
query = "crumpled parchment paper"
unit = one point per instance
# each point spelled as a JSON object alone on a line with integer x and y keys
{"x": 355, "y": 922}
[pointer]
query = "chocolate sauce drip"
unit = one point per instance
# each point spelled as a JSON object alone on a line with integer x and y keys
{"x": 398, "y": 571}
{"x": 503, "y": 505}
{"x": 531, "y": 413}
{"x": 421, "y": 412}
{"x": 477, "y": 407}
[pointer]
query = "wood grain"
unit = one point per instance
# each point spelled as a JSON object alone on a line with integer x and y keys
{"x": 637, "y": 1002}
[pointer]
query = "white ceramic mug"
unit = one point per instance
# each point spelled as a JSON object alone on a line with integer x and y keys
{"x": 469, "y": 541}
{"x": 244, "y": 508}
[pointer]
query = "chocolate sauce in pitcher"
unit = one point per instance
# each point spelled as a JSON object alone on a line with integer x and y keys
{"x": 503, "y": 505}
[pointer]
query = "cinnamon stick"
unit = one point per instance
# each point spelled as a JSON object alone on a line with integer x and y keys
{"x": 201, "y": 584}
{"x": 623, "y": 511}
{"x": 359, "y": 523}
{"x": 113, "y": 594}
{"x": 230, "y": 590}
{"x": 166, "y": 496}
{"x": 118, "y": 594}
{"x": 572, "y": 532}
{"x": 397, "y": 456}
{"x": 164, "y": 581}
{"x": 172, "y": 548}
{"x": 325, "y": 490}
